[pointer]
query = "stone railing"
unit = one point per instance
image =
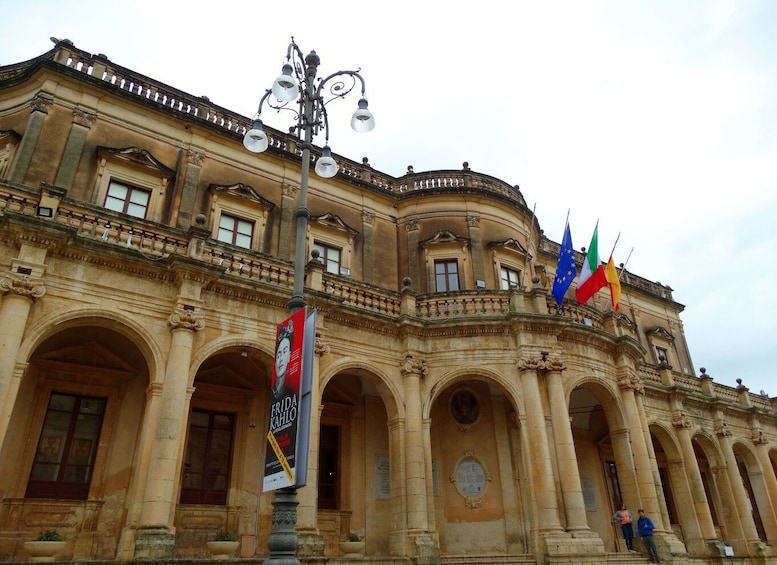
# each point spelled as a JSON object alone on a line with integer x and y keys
{"x": 201, "y": 108}
{"x": 463, "y": 304}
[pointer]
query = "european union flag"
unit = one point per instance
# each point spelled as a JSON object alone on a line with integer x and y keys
{"x": 566, "y": 270}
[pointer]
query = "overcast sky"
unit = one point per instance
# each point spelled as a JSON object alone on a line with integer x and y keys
{"x": 656, "y": 118}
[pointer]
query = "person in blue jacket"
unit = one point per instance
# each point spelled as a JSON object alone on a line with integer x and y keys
{"x": 645, "y": 531}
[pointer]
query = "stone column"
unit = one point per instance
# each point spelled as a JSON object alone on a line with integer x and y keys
{"x": 40, "y": 107}
{"x": 630, "y": 385}
{"x": 540, "y": 465}
{"x": 19, "y": 294}
{"x": 413, "y": 370}
{"x": 413, "y": 257}
{"x": 571, "y": 487}
{"x": 288, "y": 221}
{"x": 478, "y": 267}
{"x": 311, "y": 542}
{"x": 156, "y": 535}
{"x": 368, "y": 245}
{"x": 699, "y": 495}
{"x": 421, "y": 544}
{"x": 20, "y": 287}
{"x": 741, "y": 500}
{"x": 68, "y": 166}
{"x": 770, "y": 484}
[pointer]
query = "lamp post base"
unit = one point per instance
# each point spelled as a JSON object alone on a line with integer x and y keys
{"x": 283, "y": 540}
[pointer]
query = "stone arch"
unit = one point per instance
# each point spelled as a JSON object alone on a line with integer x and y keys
{"x": 226, "y": 344}
{"x": 607, "y": 395}
{"x": 134, "y": 330}
{"x": 473, "y": 373}
{"x": 385, "y": 386}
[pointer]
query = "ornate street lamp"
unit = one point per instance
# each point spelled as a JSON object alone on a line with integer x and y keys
{"x": 297, "y": 89}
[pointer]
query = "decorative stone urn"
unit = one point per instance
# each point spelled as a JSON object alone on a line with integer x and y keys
{"x": 351, "y": 548}
{"x": 222, "y": 549}
{"x": 43, "y": 551}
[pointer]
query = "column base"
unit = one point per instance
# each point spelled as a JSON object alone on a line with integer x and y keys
{"x": 154, "y": 543}
{"x": 311, "y": 547}
{"x": 427, "y": 551}
{"x": 668, "y": 544}
{"x": 580, "y": 546}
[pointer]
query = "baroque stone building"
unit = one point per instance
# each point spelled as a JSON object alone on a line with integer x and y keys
{"x": 459, "y": 416}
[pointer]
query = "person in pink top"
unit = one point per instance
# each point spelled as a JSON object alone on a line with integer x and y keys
{"x": 623, "y": 518}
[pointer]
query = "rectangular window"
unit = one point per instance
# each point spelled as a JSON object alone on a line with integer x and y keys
{"x": 127, "y": 199}
{"x": 208, "y": 458}
{"x": 510, "y": 278}
{"x": 235, "y": 231}
{"x": 67, "y": 447}
{"x": 446, "y": 274}
{"x": 329, "y": 256}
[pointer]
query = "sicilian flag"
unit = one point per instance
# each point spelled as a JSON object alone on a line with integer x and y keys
{"x": 613, "y": 281}
{"x": 566, "y": 269}
{"x": 592, "y": 277}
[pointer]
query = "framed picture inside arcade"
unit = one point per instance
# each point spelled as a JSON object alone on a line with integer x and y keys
{"x": 288, "y": 433}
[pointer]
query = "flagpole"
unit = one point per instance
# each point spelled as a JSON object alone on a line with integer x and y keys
{"x": 623, "y": 268}
{"x": 614, "y": 244}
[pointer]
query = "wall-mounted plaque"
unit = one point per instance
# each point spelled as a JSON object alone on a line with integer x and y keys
{"x": 382, "y": 478}
{"x": 470, "y": 478}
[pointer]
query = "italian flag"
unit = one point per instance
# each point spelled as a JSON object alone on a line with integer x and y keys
{"x": 592, "y": 277}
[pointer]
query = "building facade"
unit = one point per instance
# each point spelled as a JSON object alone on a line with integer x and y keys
{"x": 459, "y": 416}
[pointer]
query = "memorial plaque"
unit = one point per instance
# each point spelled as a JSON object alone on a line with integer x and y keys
{"x": 382, "y": 478}
{"x": 588, "y": 495}
{"x": 471, "y": 478}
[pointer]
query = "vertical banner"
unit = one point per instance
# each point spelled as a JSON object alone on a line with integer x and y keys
{"x": 282, "y": 460}
{"x": 305, "y": 400}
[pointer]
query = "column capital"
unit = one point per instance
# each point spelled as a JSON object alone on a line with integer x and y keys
{"x": 411, "y": 223}
{"x": 42, "y": 102}
{"x": 22, "y": 285}
{"x": 194, "y": 157}
{"x": 185, "y": 318}
{"x": 84, "y": 117}
{"x": 721, "y": 429}
{"x": 412, "y": 366}
{"x": 290, "y": 189}
{"x": 628, "y": 381}
{"x": 320, "y": 348}
{"x": 681, "y": 421}
{"x": 473, "y": 221}
{"x": 368, "y": 217}
{"x": 544, "y": 363}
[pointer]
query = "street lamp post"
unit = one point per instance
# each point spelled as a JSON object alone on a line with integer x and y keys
{"x": 298, "y": 84}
